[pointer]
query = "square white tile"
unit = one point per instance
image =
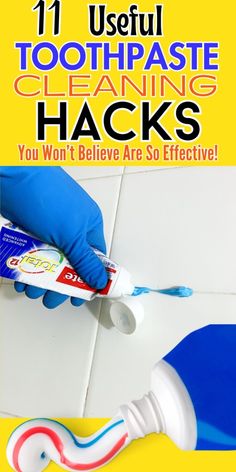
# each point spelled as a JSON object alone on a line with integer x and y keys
{"x": 45, "y": 356}
{"x": 179, "y": 228}
{"x": 122, "y": 364}
{"x": 172, "y": 228}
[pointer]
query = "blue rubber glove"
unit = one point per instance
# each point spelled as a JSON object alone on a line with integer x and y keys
{"x": 48, "y": 203}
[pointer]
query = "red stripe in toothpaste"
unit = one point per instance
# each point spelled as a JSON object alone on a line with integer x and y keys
{"x": 60, "y": 448}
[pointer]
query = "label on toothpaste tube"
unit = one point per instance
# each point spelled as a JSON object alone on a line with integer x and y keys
{"x": 28, "y": 260}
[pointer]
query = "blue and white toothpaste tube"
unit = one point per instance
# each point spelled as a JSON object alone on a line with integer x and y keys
{"x": 26, "y": 259}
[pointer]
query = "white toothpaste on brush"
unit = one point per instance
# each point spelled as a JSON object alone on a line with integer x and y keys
{"x": 26, "y": 259}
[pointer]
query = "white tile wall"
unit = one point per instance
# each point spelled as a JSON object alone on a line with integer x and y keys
{"x": 167, "y": 227}
{"x": 87, "y": 172}
{"x": 122, "y": 364}
{"x": 179, "y": 227}
{"x": 176, "y": 227}
{"x": 45, "y": 356}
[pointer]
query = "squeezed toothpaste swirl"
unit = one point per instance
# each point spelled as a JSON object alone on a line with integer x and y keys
{"x": 35, "y": 443}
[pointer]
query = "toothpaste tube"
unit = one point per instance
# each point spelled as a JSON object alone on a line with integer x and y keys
{"x": 27, "y": 259}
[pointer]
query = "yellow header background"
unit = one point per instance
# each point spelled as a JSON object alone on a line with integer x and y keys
{"x": 151, "y": 454}
{"x": 183, "y": 21}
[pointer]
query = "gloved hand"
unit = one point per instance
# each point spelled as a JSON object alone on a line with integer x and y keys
{"x": 48, "y": 203}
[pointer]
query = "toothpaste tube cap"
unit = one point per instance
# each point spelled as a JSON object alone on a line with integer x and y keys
{"x": 126, "y": 314}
